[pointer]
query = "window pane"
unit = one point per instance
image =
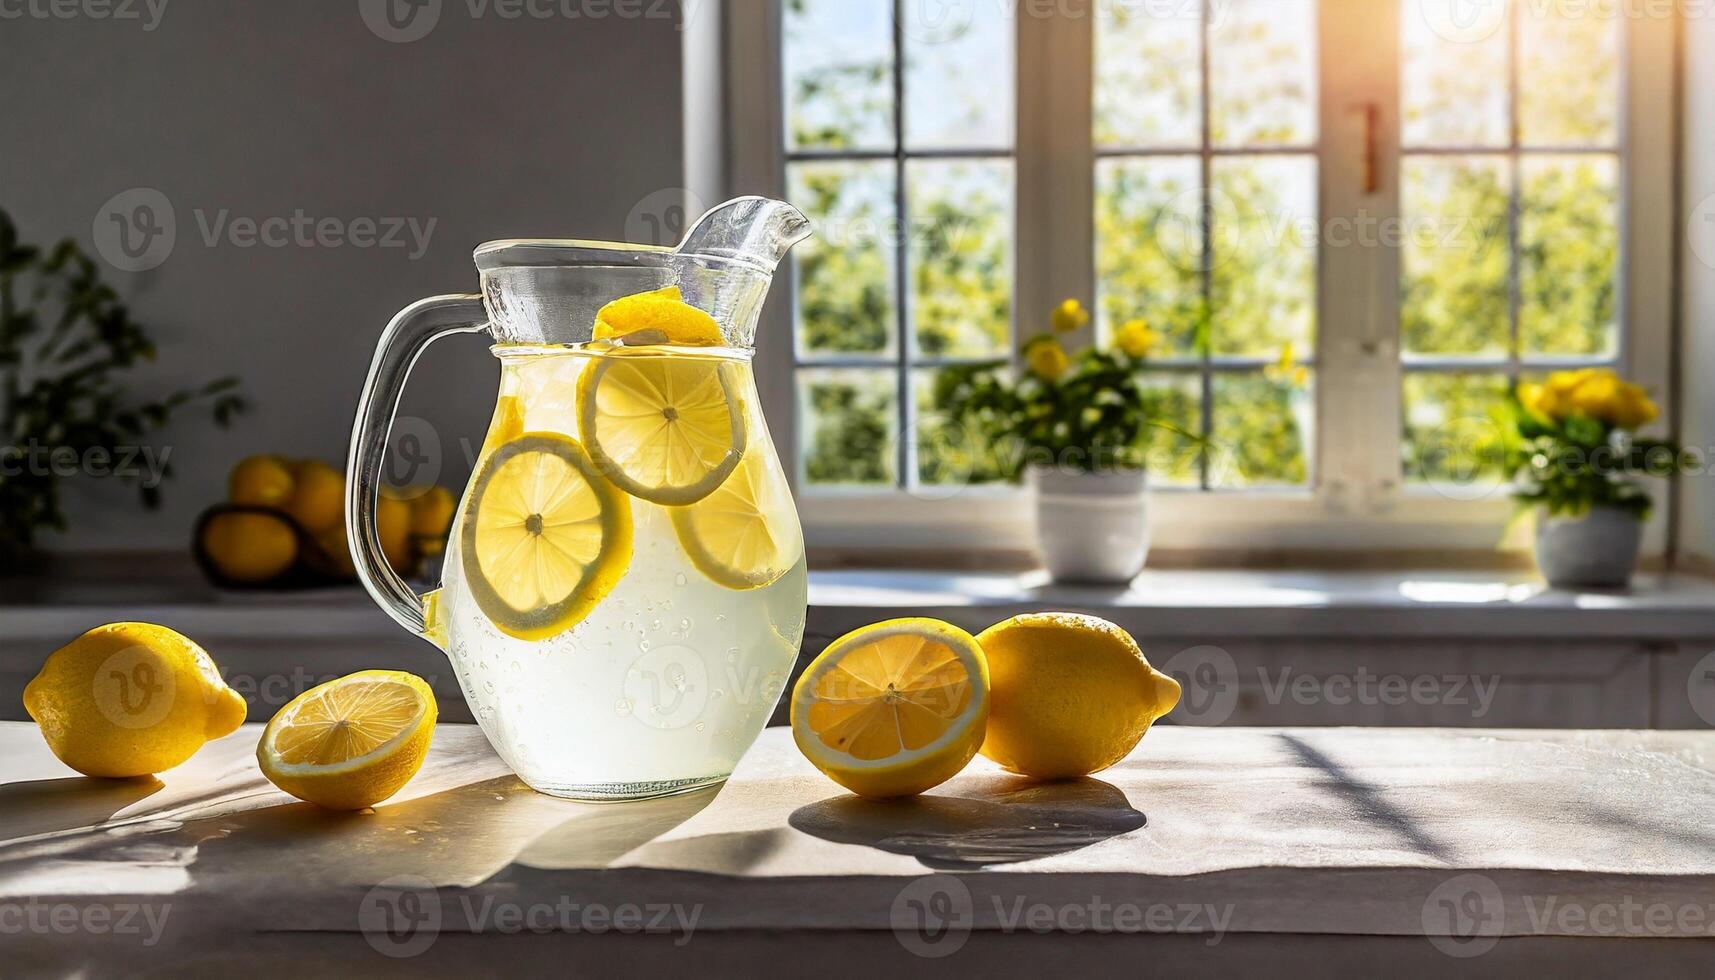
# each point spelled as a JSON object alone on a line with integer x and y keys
{"x": 1148, "y": 66}
{"x": 1455, "y": 291}
{"x": 1149, "y": 248}
{"x": 1453, "y": 83}
{"x": 958, "y": 74}
{"x": 1568, "y": 255}
{"x": 1264, "y": 283}
{"x": 1174, "y": 398}
{"x": 838, "y": 74}
{"x": 1262, "y": 73}
{"x": 961, "y": 256}
{"x": 948, "y": 453}
{"x": 1454, "y": 429}
{"x": 1262, "y": 430}
{"x": 848, "y": 421}
{"x": 845, "y": 289}
{"x": 1569, "y": 91}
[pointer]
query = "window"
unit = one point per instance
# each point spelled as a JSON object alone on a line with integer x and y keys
{"x": 1350, "y": 258}
{"x": 1510, "y": 184}
{"x": 898, "y": 145}
{"x": 1205, "y": 133}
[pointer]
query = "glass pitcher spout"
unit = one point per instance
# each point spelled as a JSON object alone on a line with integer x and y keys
{"x": 757, "y": 231}
{"x": 548, "y": 292}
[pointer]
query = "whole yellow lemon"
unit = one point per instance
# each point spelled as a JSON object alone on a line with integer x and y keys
{"x": 318, "y": 498}
{"x": 1068, "y": 694}
{"x": 260, "y": 481}
{"x": 333, "y": 543}
{"x": 130, "y": 699}
{"x": 432, "y": 512}
{"x": 393, "y": 526}
{"x": 249, "y": 548}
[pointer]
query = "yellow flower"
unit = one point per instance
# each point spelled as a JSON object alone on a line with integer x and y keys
{"x": 1540, "y": 400}
{"x": 1287, "y": 370}
{"x": 1136, "y": 339}
{"x": 1047, "y": 359}
{"x": 1069, "y": 316}
{"x": 1595, "y": 392}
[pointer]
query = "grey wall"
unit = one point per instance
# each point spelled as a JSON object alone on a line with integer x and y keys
{"x": 491, "y": 127}
{"x": 1697, "y": 362}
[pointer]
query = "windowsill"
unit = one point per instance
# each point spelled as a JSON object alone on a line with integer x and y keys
{"x": 1185, "y": 604}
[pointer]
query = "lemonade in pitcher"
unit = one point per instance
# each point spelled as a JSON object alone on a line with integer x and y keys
{"x": 624, "y": 589}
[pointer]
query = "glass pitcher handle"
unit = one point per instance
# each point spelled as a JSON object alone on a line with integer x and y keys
{"x": 401, "y": 344}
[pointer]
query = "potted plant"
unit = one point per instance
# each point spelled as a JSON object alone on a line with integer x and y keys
{"x": 1077, "y": 423}
{"x": 1576, "y": 461}
{"x": 66, "y": 344}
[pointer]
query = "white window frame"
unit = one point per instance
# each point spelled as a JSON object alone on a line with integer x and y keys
{"x": 1358, "y": 500}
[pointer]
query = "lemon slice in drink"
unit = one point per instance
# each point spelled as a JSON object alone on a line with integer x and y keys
{"x": 352, "y": 742}
{"x": 544, "y": 537}
{"x": 665, "y": 313}
{"x": 745, "y": 535}
{"x": 895, "y": 708}
{"x": 666, "y": 429}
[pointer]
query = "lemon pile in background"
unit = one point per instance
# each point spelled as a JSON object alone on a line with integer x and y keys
{"x": 286, "y": 517}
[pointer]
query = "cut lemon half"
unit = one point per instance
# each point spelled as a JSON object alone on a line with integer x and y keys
{"x": 895, "y": 708}
{"x": 665, "y": 313}
{"x": 667, "y": 429}
{"x": 352, "y": 742}
{"x": 544, "y": 538}
{"x": 745, "y": 535}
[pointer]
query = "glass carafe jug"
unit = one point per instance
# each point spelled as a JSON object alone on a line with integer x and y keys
{"x": 623, "y": 591}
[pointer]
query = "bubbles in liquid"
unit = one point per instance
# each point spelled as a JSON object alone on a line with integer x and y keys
{"x": 622, "y": 707}
{"x": 680, "y": 580}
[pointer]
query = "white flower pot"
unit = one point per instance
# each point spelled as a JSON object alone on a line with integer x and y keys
{"x": 1598, "y": 550}
{"x": 1092, "y": 527}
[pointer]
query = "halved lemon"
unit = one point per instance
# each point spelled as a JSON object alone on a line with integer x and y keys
{"x": 895, "y": 708}
{"x": 745, "y": 535}
{"x": 663, "y": 311}
{"x": 352, "y": 742}
{"x": 544, "y": 537}
{"x": 667, "y": 429}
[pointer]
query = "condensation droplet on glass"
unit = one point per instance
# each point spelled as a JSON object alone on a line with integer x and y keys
{"x": 680, "y": 580}
{"x": 643, "y": 645}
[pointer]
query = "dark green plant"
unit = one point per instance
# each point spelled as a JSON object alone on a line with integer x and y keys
{"x": 66, "y": 346}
